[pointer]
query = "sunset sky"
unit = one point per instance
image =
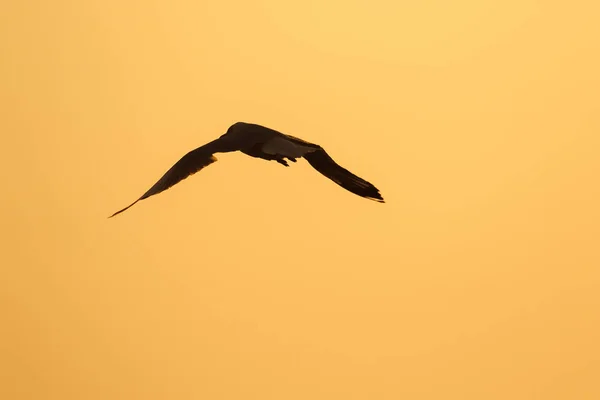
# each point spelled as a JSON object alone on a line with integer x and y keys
{"x": 479, "y": 278}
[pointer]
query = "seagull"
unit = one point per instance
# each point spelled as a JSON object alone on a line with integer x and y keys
{"x": 268, "y": 144}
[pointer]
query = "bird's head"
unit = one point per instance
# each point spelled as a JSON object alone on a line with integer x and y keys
{"x": 235, "y": 128}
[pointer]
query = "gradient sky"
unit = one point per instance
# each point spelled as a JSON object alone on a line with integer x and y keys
{"x": 478, "y": 279}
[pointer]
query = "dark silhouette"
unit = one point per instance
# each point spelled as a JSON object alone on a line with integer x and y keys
{"x": 268, "y": 144}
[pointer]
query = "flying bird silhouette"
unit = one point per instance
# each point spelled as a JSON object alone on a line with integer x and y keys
{"x": 261, "y": 142}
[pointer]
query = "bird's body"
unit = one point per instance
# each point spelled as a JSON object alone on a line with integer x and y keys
{"x": 261, "y": 142}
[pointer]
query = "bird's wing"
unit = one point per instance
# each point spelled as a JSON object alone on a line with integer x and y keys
{"x": 188, "y": 165}
{"x": 322, "y": 162}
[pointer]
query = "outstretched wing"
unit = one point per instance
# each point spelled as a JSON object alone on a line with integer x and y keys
{"x": 322, "y": 162}
{"x": 188, "y": 165}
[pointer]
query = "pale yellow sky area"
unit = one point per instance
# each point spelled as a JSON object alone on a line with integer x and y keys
{"x": 479, "y": 278}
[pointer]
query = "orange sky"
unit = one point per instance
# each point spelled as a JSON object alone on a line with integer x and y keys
{"x": 478, "y": 279}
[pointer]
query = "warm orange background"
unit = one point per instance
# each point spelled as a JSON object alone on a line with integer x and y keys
{"x": 478, "y": 279}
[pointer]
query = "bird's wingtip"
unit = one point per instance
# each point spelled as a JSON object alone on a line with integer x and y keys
{"x": 120, "y": 211}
